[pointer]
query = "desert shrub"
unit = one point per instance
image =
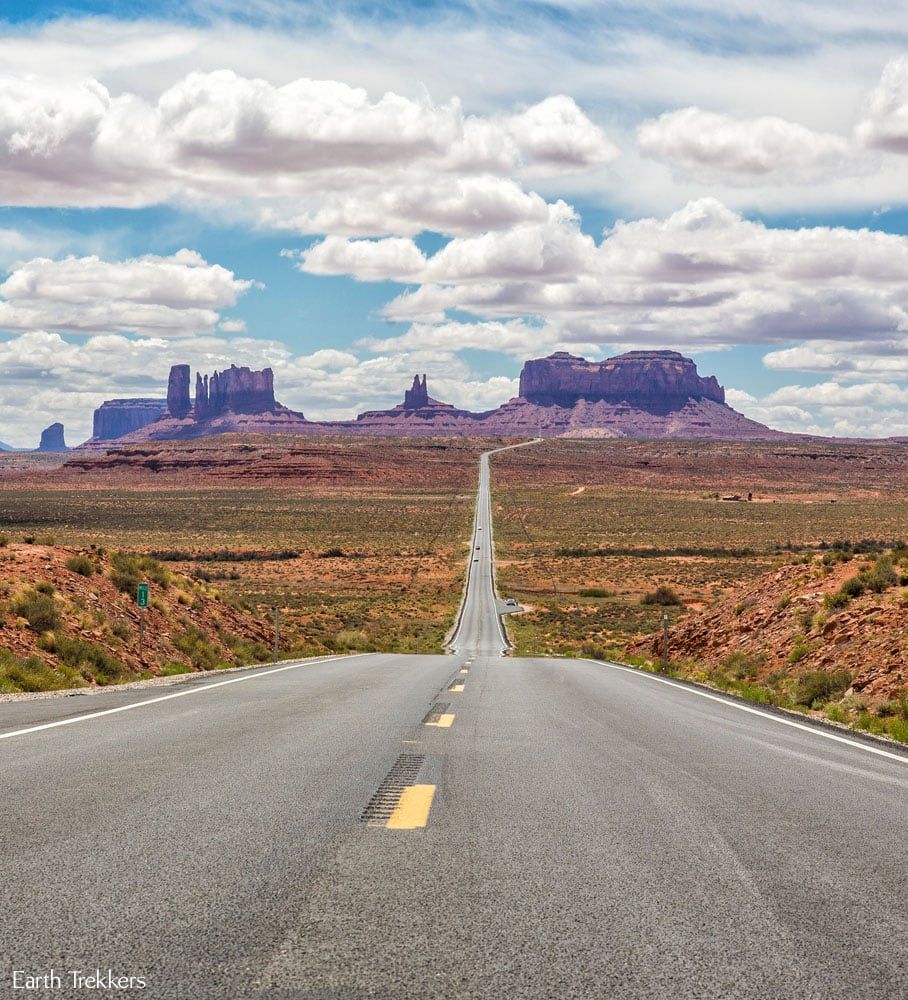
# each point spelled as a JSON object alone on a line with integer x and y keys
{"x": 835, "y": 712}
{"x": 130, "y": 569}
{"x": 224, "y": 555}
{"x": 798, "y": 652}
{"x": 38, "y": 609}
{"x": 31, "y": 674}
{"x": 752, "y": 692}
{"x": 332, "y": 553}
{"x": 783, "y": 602}
{"x": 807, "y": 620}
{"x": 880, "y": 577}
{"x": 743, "y": 666}
{"x": 89, "y": 659}
{"x": 193, "y": 643}
{"x": 172, "y": 668}
{"x": 897, "y": 729}
{"x": 4, "y": 541}
{"x": 45, "y": 587}
{"x": 121, "y": 630}
{"x": 835, "y": 601}
{"x": 81, "y": 565}
{"x": 596, "y": 592}
{"x": 662, "y": 595}
{"x": 853, "y": 586}
{"x": 818, "y": 686}
{"x": 246, "y": 651}
{"x": 351, "y": 639}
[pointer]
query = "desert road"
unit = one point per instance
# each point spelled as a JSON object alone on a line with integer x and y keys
{"x": 533, "y": 828}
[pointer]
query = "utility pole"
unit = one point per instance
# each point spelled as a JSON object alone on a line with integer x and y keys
{"x": 665, "y": 643}
{"x": 277, "y": 633}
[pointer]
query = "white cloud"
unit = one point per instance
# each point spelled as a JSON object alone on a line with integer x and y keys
{"x": 556, "y": 132}
{"x": 393, "y": 258}
{"x": 849, "y": 359}
{"x": 704, "y": 276}
{"x": 885, "y": 125}
{"x": 159, "y": 296}
{"x": 853, "y": 411}
{"x": 315, "y": 155}
{"x": 706, "y": 143}
{"x": 515, "y": 338}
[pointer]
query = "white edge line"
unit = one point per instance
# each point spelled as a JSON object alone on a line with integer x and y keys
{"x": 734, "y": 703}
{"x": 175, "y": 694}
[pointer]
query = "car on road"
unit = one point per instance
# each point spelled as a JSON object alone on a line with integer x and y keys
{"x": 510, "y": 603}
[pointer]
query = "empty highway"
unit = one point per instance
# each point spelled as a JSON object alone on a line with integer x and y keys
{"x": 469, "y": 825}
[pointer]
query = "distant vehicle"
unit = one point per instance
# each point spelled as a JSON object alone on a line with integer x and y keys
{"x": 511, "y": 603}
{"x": 475, "y": 560}
{"x": 477, "y": 548}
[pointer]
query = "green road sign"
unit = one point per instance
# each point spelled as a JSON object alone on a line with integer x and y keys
{"x": 142, "y": 595}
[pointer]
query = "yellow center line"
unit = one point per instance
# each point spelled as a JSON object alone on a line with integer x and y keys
{"x": 412, "y": 809}
{"x": 456, "y": 687}
{"x": 464, "y": 671}
{"x": 443, "y": 721}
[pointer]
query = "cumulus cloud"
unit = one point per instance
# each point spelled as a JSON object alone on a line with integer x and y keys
{"x": 847, "y": 359}
{"x": 885, "y": 124}
{"x": 876, "y": 411}
{"x": 160, "y": 296}
{"x": 393, "y": 258}
{"x": 315, "y": 155}
{"x": 556, "y": 132}
{"x": 704, "y": 142}
{"x": 516, "y": 338}
{"x": 704, "y": 276}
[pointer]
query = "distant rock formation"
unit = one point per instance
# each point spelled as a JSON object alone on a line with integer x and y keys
{"x": 641, "y": 394}
{"x": 656, "y": 381}
{"x": 236, "y": 400}
{"x": 235, "y": 390}
{"x": 115, "y": 418}
{"x": 416, "y": 397}
{"x": 418, "y": 415}
{"x": 178, "y": 402}
{"x": 52, "y": 439}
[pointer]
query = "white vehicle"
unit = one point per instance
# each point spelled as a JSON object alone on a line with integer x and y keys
{"x": 511, "y": 603}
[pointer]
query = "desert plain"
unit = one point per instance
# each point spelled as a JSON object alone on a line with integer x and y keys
{"x": 781, "y": 566}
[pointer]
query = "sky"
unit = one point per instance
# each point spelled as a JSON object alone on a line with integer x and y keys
{"x": 355, "y": 192}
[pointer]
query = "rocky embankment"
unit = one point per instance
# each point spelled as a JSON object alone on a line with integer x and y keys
{"x": 68, "y": 618}
{"x": 845, "y": 617}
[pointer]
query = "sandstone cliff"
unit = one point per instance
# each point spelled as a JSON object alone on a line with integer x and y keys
{"x": 235, "y": 390}
{"x": 657, "y": 381}
{"x": 117, "y": 417}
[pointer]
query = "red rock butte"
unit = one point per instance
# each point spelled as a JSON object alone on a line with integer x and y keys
{"x": 640, "y": 394}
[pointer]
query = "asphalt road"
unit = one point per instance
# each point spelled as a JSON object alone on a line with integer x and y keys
{"x": 590, "y": 832}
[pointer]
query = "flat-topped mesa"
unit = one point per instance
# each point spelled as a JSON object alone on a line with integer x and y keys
{"x": 416, "y": 397}
{"x": 116, "y": 417}
{"x": 179, "y": 404}
{"x": 657, "y": 381}
{"x": 234, "y": 390}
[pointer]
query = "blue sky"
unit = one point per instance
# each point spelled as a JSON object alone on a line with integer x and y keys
{"x": 353, "y": 192}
